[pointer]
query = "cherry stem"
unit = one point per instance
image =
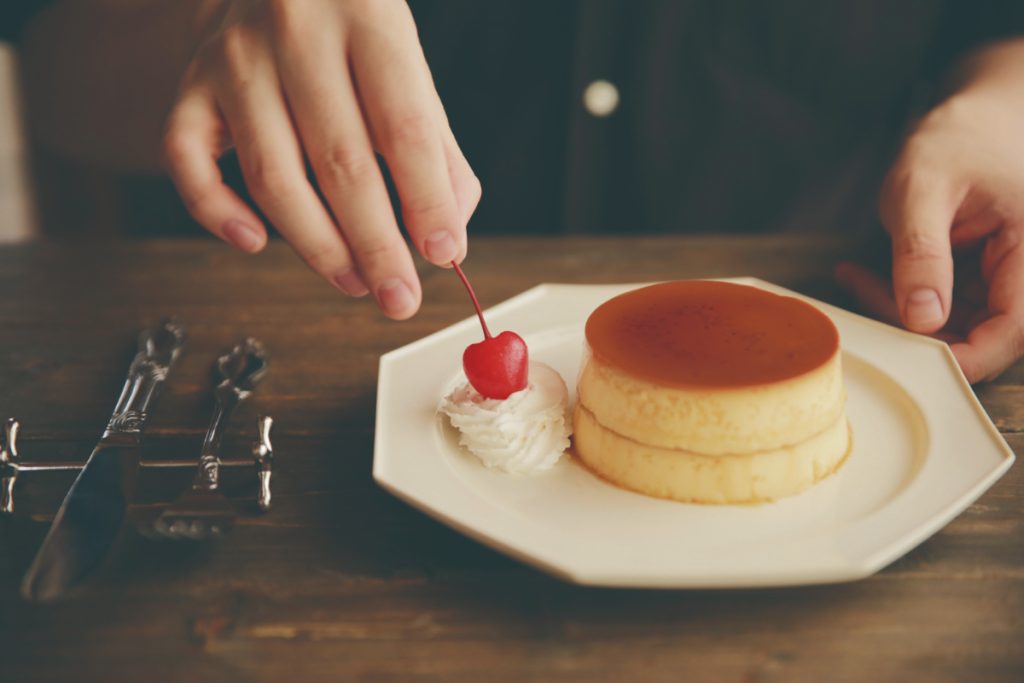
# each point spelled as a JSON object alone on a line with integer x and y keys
{"x": 472, "y": 295}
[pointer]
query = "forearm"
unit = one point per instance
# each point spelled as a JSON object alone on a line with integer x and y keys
{"x": 100, "y": 75}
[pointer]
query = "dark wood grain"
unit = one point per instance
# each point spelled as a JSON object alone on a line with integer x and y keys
{"x": 342, "y": 582}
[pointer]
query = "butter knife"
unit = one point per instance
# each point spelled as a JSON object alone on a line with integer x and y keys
{"x": 93, "y": 510}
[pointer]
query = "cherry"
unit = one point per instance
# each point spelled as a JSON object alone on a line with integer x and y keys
{"x": 498, "y": 366}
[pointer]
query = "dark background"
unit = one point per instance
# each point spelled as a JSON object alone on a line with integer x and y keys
{"x": 735, "y": 116}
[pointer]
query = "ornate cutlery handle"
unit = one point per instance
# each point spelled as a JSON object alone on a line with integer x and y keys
{"x": 159, "y": 347}
{"x": 8, "y": 469}
{"x": 263, "y": 452}
{"x": 240, "y": 370}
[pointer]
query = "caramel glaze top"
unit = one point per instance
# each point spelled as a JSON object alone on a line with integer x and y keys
{"x": 703, "y": 334}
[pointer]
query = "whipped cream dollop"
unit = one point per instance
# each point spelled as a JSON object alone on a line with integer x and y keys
{"x": 522, "y": 434}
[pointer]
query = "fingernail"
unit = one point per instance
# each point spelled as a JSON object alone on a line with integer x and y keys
{"x": 243, "y": 236}
{"x": 923, "y": 308}
{"x": 396, "y": 298}
{"x": 350, "y": 283}
{"x": 441, "y": 247}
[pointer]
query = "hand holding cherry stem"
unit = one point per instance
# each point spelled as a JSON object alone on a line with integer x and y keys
{"x": 498, "y": 366}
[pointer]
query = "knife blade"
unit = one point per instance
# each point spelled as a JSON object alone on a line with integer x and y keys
{"x": 93, "y": 510}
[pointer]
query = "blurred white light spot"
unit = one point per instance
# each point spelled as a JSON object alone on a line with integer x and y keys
{"x": 601, "y": 98}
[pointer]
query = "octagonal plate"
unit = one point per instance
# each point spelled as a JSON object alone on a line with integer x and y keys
{"x": 924, "y": 449}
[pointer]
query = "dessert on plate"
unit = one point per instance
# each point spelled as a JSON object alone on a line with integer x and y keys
{"x": 711, "y": 392}
{"x": 510, "y": 412}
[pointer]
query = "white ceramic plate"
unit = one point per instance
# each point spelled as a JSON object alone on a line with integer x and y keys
{"x": 924, "y": 449}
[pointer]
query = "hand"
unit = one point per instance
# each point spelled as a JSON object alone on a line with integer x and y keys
{"x": 328, "y": 82}
{"x": 956, "y": 187}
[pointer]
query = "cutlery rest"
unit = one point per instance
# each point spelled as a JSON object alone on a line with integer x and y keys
{"x": 13, "y": 466}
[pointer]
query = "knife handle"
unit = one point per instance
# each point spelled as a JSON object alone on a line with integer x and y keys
{"x": 159, "y": 347}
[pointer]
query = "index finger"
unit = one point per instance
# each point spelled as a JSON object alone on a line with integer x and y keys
{"x": 991, "y": 347}
{"x": 388, "y": 69}
{"x": 995, "y": 344}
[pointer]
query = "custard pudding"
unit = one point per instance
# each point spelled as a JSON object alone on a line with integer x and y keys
{"x": 711, "y": 392}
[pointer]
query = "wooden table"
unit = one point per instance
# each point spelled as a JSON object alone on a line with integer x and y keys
{"x": 342, "y": 582}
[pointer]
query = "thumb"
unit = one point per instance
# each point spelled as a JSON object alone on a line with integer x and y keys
{"x": 918, "y": 219}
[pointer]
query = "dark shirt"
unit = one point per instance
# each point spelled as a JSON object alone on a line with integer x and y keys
{"x": 735, "y": 116}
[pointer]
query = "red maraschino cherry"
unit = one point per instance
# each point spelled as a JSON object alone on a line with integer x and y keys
{"x": 498, "y": 366}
